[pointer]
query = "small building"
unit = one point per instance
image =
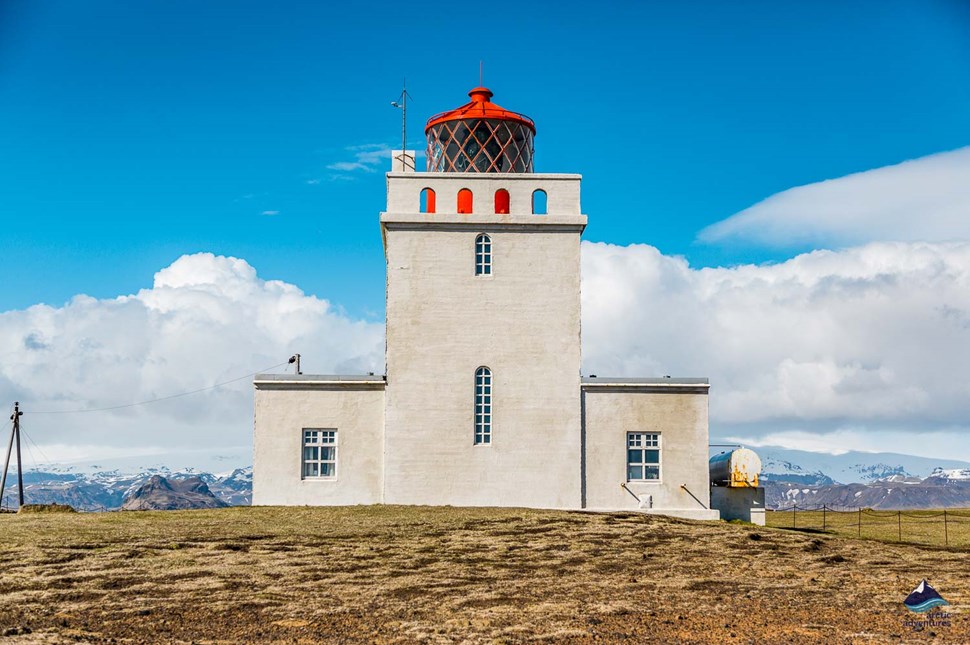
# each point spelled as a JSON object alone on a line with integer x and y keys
{"x": 482, "y": 402}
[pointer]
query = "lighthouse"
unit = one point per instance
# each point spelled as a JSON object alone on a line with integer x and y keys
{"x": 482, "y": 402}
{"x": 483, "y": 318}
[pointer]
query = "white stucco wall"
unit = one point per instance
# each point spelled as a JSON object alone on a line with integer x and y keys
{"x": 285, "y": 407}
{"x": 443, "y": 322}
{"x": 408, "y": 438}
{"x": 679, "y": 413}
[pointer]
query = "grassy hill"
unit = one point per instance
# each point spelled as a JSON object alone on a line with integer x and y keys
{"x": 401, "y": 574}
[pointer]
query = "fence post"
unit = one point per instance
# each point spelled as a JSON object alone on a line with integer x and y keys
{"x": 899, "y": 523}
{"x": 946, "y": 536}
{"x": 860, "y": 521}
{"x": 823, "y": 517}
{"x": 794, "y": 509}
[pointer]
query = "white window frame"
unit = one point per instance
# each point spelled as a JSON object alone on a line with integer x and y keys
{"x": 483, "y": 406}
{"x": 643, "y": 443}
{"x": 483, "y": 255}
{"x": 318, "y": 447}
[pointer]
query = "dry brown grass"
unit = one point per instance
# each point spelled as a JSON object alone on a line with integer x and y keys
{"x": 918, "y": 527}
{"x": 405, "y": 574}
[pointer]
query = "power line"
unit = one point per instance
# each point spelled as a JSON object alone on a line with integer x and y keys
{"x": 163, "y": 398}
{"x": 30, "y": 453}
{"x": 30, "y": 440}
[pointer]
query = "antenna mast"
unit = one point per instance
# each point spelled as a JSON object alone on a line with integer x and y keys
{"x": 402, "y": 103}
{"x": 404, "y": 117}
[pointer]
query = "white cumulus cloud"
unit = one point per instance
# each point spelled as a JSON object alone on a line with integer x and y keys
{"x": 206, "y": 320}
{"x": 865, "y": 348}
{"x": 367, "y": 157}
{"x": 873, "y": 337}
{"x": 925, "y": 199}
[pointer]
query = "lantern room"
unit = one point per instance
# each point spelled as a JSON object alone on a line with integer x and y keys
{"x": 480, "y": 136}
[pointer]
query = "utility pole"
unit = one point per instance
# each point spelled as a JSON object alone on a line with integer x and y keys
{"x": 14, "y": 435}
{"x": 295, "y": 361}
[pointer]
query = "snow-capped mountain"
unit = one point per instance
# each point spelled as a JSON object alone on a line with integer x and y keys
{"x": 952, "y": 474}
{"x": 815, "y": 468}
{"x": 858, "y": 479}
{"x": 901, "y": 494}
{"x": 108, "y": 489}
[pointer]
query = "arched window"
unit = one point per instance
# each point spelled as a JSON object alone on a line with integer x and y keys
{"x": 483, "y": 406}
{"x": 464, "y": 201}
{"x": 427, "y": 201}
{"x": 502, "y": 201}
{"x": 483, "y": 255}
{"x": 539, "y": 202}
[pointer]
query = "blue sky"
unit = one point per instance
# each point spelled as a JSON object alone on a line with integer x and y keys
{"x": 777, "y": 196}
{"x": 132, "y": 133}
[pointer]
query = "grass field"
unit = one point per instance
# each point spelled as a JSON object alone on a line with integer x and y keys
{"x": 930, "y": 527}
{"x": 406, "y": 574}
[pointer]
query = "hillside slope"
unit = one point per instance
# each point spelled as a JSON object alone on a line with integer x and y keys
{"x": 480, "y": 575}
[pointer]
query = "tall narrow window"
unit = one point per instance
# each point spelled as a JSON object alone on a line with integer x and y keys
{"x": 642, "y": 456}
{"x": 319, "y": 453}
{"x": 539, "y": 199}
{"x": 464, "y": 201}
{"x": 427, "y": 201}
{"x": 483, "y": 406}
{"x": 502, "y": 201}
{"x": 483, "y": 255}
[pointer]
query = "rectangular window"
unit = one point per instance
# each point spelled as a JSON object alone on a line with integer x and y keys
{"x": 483, "y": 406}
{"x": 483, "y": 255}
{"x": 642, "y": 456}
{"x": 319, "y": 453}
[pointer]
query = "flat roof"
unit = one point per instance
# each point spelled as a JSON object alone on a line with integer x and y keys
{"x": 319, "y": 381}
{"x": 319, "y": 377}
{"x": 664, "y": 380}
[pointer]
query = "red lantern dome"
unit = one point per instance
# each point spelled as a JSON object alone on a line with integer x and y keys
{"x": 480, "y": 137}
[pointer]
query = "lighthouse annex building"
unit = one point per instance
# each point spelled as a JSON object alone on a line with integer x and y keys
{"x": 482, "y": 402}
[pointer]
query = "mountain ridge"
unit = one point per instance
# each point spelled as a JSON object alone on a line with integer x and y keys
{"x": 882, "y": 480}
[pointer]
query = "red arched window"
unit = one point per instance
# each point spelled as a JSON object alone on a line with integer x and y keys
{"x": 427, "y": 201}
{"x": 502, "y": 201}
{"x": 464, "y": 201}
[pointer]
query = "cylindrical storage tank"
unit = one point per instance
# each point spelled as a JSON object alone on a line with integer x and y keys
{"x": 480, "y": 137}
{"x": 738, "y": 468}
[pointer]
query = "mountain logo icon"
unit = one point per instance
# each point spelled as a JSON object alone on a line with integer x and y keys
{"x": 924, "y": 598}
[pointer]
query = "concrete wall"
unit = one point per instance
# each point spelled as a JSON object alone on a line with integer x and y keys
{"x": 745, "y": 504}
{"x": 285, "y": 406}
{"x": 678, "y": 411}
{"x": 443, "y": 322}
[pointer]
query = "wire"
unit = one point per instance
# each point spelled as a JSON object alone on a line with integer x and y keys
{"x": 30, "y": 453}
{"x": 47, "y": 459}
{"x": 163, "y": 398}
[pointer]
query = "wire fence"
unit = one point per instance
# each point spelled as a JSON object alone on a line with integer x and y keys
{"x": 946, "y": 527}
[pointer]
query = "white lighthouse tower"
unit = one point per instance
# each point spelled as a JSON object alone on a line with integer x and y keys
{"x": 483, "y": 319}
{"x": 482, "y": 402}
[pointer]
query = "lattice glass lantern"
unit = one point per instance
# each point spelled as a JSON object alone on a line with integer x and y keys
{"x": 480, "y": 137}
